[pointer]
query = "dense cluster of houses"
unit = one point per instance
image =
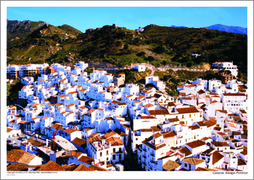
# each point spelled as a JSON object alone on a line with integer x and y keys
{"x": 88, "y": 121}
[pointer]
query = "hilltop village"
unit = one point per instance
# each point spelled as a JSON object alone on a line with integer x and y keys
{"x": 75, "y": 121}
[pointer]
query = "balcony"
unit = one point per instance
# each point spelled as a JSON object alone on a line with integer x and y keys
{"x": 144, "y": 150}
{"x": 152, "y": 154}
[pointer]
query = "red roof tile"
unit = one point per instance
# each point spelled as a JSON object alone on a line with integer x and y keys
{"x": 51, "y": 166}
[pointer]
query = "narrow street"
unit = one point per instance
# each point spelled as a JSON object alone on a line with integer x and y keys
{"x": 130, "y": 163}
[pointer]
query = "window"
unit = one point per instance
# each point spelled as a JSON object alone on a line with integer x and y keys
{"x": 107, "y": 152}
{"x": 100, "y": 154}
{"x": 114, "y": 150}
{"x": 114, "y": 157}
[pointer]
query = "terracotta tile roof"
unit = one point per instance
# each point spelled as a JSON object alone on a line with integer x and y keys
{"x": 57, "y": 126}
{"x": 201, "y": 91}
{"x": 35, "y": 142}
{"x": 147, "y": 117}
{"x": 157, "y": 135}
{"x": 62, "y": 95}
{"x": 23, "y": 122}
{"x": 70, "y": 167}
{"x": 88, "y": 129}
{"x": 194, "y": 127}
{"x": 210, "y": 123}
{"x": 86, "y": 159}
{"x": 20, "y": 156}
{"x": 96, "y": 168}
{"x": 182, "y": 93}
{"x": 173, "y": 120}
{"x": 201, "y": 123}
{"x": 76, "y": 154}
{"x": 195, "y": 144}
{"x": 231, "y": 124}
{"x": 47, "y": 117}
{"x": 187, "y": 110}
{"x": 51, "y": 166}
{"x": 94, "y": 134}
{"x": 185, "y": 151}
{"x": 83, "y": 90}
{"x": 137, "y": 102}
{"x": 94, "y": 139}
{"x": 83, "y": 107}
{"x": 110, "y": 134}
{"x": 243, "y": 111}
{"x": 244, "y": 152}
{"x": 193, "y": 161}
{"x": 169, "y": 134}
{"x": 17, "y": 167}
{"x": 148, "y": 105}
{"x": 74, "y": 92}
{"x": 91, "y": 110}
{"x": 171, "y": 104}
{"x": 9, "y": 129}
{"x": 219, "y": 144}
{"x": 186, "y": 98}
{"x": 128, "y": 96}
{"x": 146, "y": 130}
{"x": 205, "y": 138}
{"x": 119, "y": 103}
{"x": 221, "y": 133}
{"x": 141, "y": 97}
{"x": 80, "y": 142}
{"x": 216, "y": 156}
{"x": 70, "y": 130}
{"x": 156, "y": 128}
{"x": 234, "y": 94}
{"x": 170, "y": 165}
{"x": 241, "y": 162}
{"x": 114, "y": 141}
{"x": 204, "y": 169}
{"x": 158, "y": 112}
{"x": 217, "y": 128}
{"x": 82, "y": 167}
{"x": 70, "y": 105}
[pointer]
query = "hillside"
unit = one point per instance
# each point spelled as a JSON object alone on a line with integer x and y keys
{"x": 39, "y": 42}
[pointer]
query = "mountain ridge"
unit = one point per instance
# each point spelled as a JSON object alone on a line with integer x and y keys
{"x": 232, "y": 29}
{"x": 40, "y": 42}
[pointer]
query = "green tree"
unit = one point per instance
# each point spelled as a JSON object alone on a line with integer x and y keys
{"x": 159, "y": 49}
{"x": 88, "y": 70}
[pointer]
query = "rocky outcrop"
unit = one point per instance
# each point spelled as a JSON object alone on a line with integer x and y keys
{"x": 21, "y": 26}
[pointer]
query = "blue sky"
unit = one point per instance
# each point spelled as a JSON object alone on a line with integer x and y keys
{"x": 83, "y": 18}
